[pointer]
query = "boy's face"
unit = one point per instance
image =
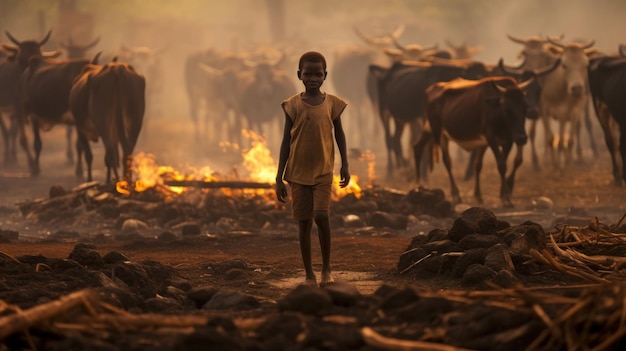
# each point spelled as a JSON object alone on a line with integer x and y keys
{"x": 312, "y": 74}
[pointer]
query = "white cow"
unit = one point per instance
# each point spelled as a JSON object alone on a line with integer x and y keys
{"x": 564, "y": 97}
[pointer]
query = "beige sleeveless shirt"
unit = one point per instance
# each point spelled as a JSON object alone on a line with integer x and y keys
{"x": 312, "y": 149}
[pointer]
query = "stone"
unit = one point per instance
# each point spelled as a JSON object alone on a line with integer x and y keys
{"x": 231, "y": 300}
{"x": 343, "y": 294}
{"x": 476, "y": 241}
{"x": 476, "y": 274}
{"x": 381, "y": 219}
{"x": 469, "y": 257}
{"x": 475, "y": 220}
{"x": 132, "y": 224}
{"x": 306, "y": 299}
{"x": 499, "y": 259}
{"x": 201, "y": 294}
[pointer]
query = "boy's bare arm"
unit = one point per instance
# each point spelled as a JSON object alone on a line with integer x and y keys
{"x": 340, "y": 137}
{"x": 281, "y": 190}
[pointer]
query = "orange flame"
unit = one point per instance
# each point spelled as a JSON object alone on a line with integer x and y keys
{"x": 257, "y": 161}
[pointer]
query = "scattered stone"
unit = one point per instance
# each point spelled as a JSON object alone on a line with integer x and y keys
{"x": 475, "y": 220}
{"x": 306, "y": 299}
{"x": 191, "y": 229}
{"x": 343, "y": 294}
{"x": 115, "y": 257}
{"x": 231, "y": 300}
{"x": 381, "y": 219}
{"x": 499, "y": 259}
{"x": 201, "y": 294}
{"x": 476, "y": 241}
{"x": 57, "y": 191}
{"x": 131, "y": 225}
{"x": 7, "y": 235}
{"x": 167, "y": 236}
{"x": 476, "y": 274}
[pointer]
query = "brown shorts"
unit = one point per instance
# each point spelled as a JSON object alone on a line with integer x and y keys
{"x": 306, "y": 200}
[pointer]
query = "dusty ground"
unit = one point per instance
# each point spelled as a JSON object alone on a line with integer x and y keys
{"x": 366, "y": 258}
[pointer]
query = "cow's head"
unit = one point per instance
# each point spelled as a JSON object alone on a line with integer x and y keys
{"x": 412, "y": 52}
{"x": 380, "y": 42}
{"x": 533, "y": 90}
{"x": 23, "y": 51}
{"x": 264, "y": 72}
{"x": 574, "y": 63}
{"x": 537, "y": 51}
{"x": 77, "y": 51}
{"x": 463, "y": 51}
{"x": 512, "y": 103}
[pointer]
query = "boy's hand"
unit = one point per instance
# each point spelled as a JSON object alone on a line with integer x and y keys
{"x": 281, "y": 191}
{"x": 345, "y": 177}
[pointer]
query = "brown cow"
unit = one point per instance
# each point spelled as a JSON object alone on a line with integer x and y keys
{"x": 108, "y": 102}
{"x": 477, "y": 114}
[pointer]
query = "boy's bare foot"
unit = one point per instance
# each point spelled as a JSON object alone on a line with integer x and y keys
{"x": 310, "y": 282}
{"x": 327, "y": 279}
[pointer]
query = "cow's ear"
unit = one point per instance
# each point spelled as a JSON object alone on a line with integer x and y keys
{"x": 299, "y": 75}
{"x": 493, "y": 101}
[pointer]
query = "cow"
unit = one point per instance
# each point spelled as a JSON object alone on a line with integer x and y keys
{"x": 350, "y": 79}
{"x": 74, "y": 51}
{"x": 108, "y": 102}
{"x": 258, "y": 89}
{"x": 607, "y": 82}
{"x": 18, "y": 56}
{"x": 541, "y": 52}
{"x": 622, "y": 49}
{"x": 564, "y": 97}
{"x": 463, "y": 51}
{"x": 43, "y": 99}
{"x": 476, "y": 114}
{"x": 211, "y": 85}
{"x": 533, "y": 94}
{"x": 401, "y": 91}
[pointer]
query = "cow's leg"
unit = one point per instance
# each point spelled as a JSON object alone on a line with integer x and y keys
{"x": 609, "y": 128}
{"x": 24, "y": 144}
{"x": 396, "y": 142}
{"x": 589, "y": 127}
{"x": 386, "y": 121}
{"x": 532, "y": 133}
{"x": 454, "y": 191}
{"x": 69, "y": 153}
{"x": 501, "y": 159}
{"x": 549, "y": 140}
{"x": 519, "y": 158}
{"x": 13, "y": 136}
{"x": 5, "y": 136}
{"x": 471, "y": 165}
{"x": 418, "y": 151}
{"x": 478, "y": 166}
{"x": 622, "y": 149}
{"x": 34, "y": 169}
{"x": 82, "y": 145}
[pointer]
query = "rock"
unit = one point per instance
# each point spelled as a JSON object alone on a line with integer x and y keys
{"x": 115, "y": 257}
{"x": 476, "y": 241}
{"x": 425, "y": 310}
{"x": 306, "y": 299}
{"x": 56, "y": 191}
{"x": 191, "y": 229}
{"x": 475, "y": 220}
{"x": 398, "y": 298}
{"x": 469, "y": 257}
{"x": 225, "y": 266}
{"x": 353, "y": 221}
{"x": 131, "y": 225}
{"x": 167, "y": 236}
{"x": 499, "y": 259}
{"x": 208, "y": 338}
{"x": 533, "y": 237}
{"x": 542, "y": 203}
{"x": 86, "y": 255}
{"x": 506, "y": 279}
{"x": 441, "y": 246}
{"x": 477, "y": 274}
{"x": 64, "y": 235}
{"x": 438, "y": 234}
{"x": 409, "y": 257}
{"x": 381, "y": 219}
{"x": 231, "y": 300}
{"x": 343, "y": 294}
{"x": 201, "y": 294}
{"x": 162, "y": 305}
{"x": 8, "y": 235}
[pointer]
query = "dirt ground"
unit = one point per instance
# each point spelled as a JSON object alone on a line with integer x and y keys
{"x": 366, "y": 258}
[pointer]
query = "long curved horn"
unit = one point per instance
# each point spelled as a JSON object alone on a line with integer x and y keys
{"x": 397, "y": 44}
{"x": 543, "y": 71}
{"x": 45, "y": 39}
{"x": 15, "y": 41}
{"x": 51, "y": 54}
{"x": 589, "y": 44}
{"x": 622, "y": 49}
{"x": 398, "y": 32}
{"x": 365, "y": 38}
{"x": 517, "y": 40}
{"x": 92, "y": 44}
{"x": 555, "y": 43}
{"x": 523, "y": 85}
{"x": 95, "y": 59}
{"x": 558, "y": 37}
{"x": 500, "y": 88}
{"x": 433, "y": 47}
{"x": 10, "y": 48}
{"x": 510, "y": 70}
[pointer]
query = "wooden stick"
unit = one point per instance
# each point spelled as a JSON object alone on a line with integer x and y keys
{"x": 219, "y": 184}
{"x": 25, "y": 319}
{"x": 376, "y": 340}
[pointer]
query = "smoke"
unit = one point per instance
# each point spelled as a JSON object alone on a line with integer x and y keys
{"x": 178, "y": 28}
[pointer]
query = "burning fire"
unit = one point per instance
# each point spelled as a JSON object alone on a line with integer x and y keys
{"x": 257, "y": 161}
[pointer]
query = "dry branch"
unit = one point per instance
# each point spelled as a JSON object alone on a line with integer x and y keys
{"x": 218, "y": 184}
{"x": 374, "y": 339}
{"x": 23, "y": 320}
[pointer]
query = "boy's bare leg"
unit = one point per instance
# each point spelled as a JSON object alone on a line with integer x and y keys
{"x": 323, "y": 227}
{"x": 305, "y": 247}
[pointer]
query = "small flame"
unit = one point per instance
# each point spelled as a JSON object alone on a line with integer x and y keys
{"x": 352, "y": 188}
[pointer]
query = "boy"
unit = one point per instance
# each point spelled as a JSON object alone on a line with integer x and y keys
{"x": 307, "y": 158}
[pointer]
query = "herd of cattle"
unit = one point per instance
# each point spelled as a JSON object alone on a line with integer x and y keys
{"x": 440, "y": 94}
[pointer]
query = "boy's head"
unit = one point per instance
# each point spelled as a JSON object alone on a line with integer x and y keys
{"x": 312, "y": 64}
{"x": 311, "y": 56}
